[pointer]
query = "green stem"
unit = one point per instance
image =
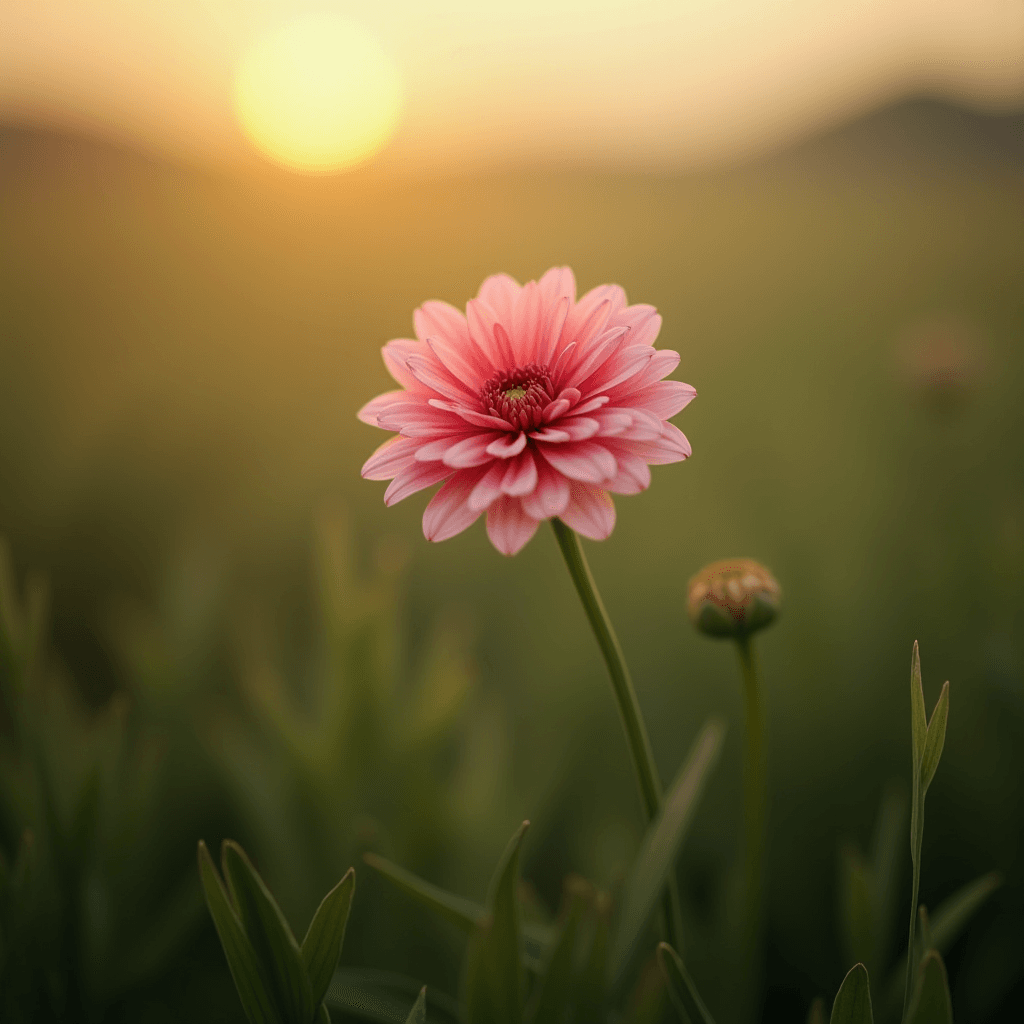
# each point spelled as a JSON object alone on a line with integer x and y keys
{"x": 754, "y": 793}
{"x": 625, "y": 696}
{"x": 916, "y": 841}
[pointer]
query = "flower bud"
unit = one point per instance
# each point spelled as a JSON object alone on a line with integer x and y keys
{"x": 734, "y": 597}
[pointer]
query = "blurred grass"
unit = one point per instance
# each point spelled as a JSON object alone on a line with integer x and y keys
{"x": 183, "y": 355}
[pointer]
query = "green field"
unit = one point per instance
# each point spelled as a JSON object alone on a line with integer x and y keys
{"x": 182, "y": 353}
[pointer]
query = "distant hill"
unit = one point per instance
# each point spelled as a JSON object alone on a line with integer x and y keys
{"x": 918, "y": 135}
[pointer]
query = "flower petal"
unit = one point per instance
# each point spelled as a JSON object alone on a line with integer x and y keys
{"x": 390, "y": 459}
{"x": 508, "y": 525}
{"x": 590, "y": 511}
{"x": 448, "y": 512}
{"x": 413, "y": 478}
{"x": 550, "y": 496}
{"x": 471, "y": 451}
{"x": 437, "y": 319}
{"x": 436, "y": 450}
{"x": 672, "y": 446}
{"x": 478, "y": 419}
{"x": 579, "y": 428}
{"x": 634, "y": 475}
{"x": 499, "y": 291}
{"x": 395, "y": 354}
{"x": 370, "y": 413}
{"x": 664, "y": 398}
{"x": 581, "y": 460}
{"x": 430, "y": 371}
{"x": 488, "y": 488}
{"x": 643, "y": 322}
{"x": 507, "y": 446}
{"x": 521, "y": 475}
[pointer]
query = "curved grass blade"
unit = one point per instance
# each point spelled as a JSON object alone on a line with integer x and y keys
{"x": 418, "y": 1013}
{"x": 927, "y": 749}
{"x": 493, "y": 986}
{"x": 554, "y": 991}
{"x": 269, "y": 934}
{"x": 660, "y": 847}
{"x": 681, "y": 990}
{"x": 592, "y": 992}
{"x": 463, "y": 913}
{"x": 322, "y": 945}
{"x": 931, "y": 1000}
{"x": 948, "y": 921}
{"x": 382, "y": 997}
{"x": 935, "y": 739}
{"x": 242, "y": 960}
{"x": 853, "y": 1000}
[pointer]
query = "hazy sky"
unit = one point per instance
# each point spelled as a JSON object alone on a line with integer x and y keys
{"x": 616, "y": 82}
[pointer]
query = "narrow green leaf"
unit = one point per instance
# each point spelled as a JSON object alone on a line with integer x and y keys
{"x": 853, "y": 1000}
{"x": 816, "y": 1013}
{"x": 383, "y": 997}
{"x": 931, "y": 1001}
{"x": 493, "y": 984}
{"x": 269, "y": 934}
{"x": 948, "y": 921}
{"x": 242, "y": 960}
{"x": 463, "y": 913}
{"x": 924, "y": 932}
{"x": 554, "y": 990}
{"x": 322, "y": 945}
{"x": 660, "y": 847}
{"x": 322, "y": 1015}
{"x": 592, "y": 991}
{"x": 953, "y": 913}
{"x": 934, "y": 740}
{"x": 918, "y": 721}
{"x": 418, "y": 1013}
{"x": 681, "y": 989}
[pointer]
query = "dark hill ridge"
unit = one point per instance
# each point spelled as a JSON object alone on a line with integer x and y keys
{"x": 915, "y": 135}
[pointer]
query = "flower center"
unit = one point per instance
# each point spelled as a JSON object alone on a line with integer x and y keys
{"x": 518, "y": 396}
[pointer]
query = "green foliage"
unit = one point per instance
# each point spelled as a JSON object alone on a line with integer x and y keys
{"x": 928, "y": 739}
{"x": 661, "y": 844}
{"x": 682, "y": 991}
{"x": 383, "y": 997}
{"x": 243, "y": 962}
{"x": 493, "y": 975}
{"x": 868, "y": 888}
{"x": 418, "y": 1013}
{"x": 322, "y": 945}
{"x": 853, "y": 1000}
{"x": 275, "y": 979}
{"x": 931, "y": 1003}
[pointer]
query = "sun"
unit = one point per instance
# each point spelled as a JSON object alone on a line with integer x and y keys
{"x": 318, "y": 94}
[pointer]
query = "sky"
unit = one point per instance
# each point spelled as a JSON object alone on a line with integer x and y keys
{"x": 618, "y": 83}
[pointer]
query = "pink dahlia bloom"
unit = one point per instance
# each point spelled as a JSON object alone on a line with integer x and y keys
{"x": 532, "y": 405}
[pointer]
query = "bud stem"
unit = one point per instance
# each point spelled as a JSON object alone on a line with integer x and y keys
{"x": 625, "y": 696}
{"x": 754, "y": 799}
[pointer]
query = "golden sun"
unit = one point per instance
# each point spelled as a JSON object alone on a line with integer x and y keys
{"x": 318, "y": 95}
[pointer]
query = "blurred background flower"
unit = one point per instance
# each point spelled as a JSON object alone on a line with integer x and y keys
{"x": 189, "y": 326}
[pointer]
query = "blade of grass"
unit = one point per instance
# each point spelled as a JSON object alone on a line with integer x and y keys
{"x": 242, "y": 960}
{"x": 322, "y": 945}
{"x": 660, "y": 846}
{"x": 681, "y": 989}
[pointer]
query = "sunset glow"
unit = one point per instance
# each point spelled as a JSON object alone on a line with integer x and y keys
{"x": 318, "y": 95}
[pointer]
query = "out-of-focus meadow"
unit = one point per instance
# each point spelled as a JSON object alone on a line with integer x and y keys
{"x": 248, "y": 644}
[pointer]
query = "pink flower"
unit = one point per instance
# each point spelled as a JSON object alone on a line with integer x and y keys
{"x": 532, "y": 405}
